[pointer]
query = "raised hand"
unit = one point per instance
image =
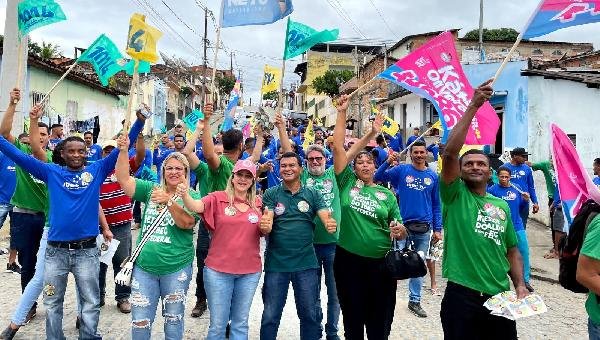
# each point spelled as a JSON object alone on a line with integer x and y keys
{"x": 208, "y": 110}
{"x": 392, "y": 157}
{"x": 200, "y": 125}
{"x": 279, "y": 120}
{"x": 123, "y": 142}
{"x": 15, "y": 95}
{"x": 182, "y": 189}
{"x": 36, "y": 111}
{"x": 482, "y": 93}
{"x": 377, "y": 123}
{"x": 342, "y": 103}
{"x": 159, "y": 196}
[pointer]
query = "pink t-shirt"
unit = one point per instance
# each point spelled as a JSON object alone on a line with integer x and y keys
{"x": 235, "y": 240}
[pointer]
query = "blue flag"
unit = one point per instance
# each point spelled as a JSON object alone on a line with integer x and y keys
{"x": 234, "y": 98}
{"x": 552, "y": 15}
{"x": 245, "y": 12}
{"x": 32, "y": 14}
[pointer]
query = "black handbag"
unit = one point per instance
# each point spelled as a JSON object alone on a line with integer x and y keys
{"x": 417, "y": 227}
{"x": 404, "y": 263}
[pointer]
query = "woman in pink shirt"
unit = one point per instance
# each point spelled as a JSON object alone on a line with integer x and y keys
{"x": 233, "y": 265}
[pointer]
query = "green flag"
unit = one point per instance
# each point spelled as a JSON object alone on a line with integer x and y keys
{"x": 32, "y": 14}
{"x": 192, "y": 118}
{"x": 143, "y": 67}
{"x": 299, "y": 38}
{"x": 104, "y": 55}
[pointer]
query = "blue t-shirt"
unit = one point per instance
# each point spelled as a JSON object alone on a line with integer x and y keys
{"x": 53, "y": 142}
{"x": 381, "y": 156}
{"x": 396, "y": 143}
{"x": 9, "y": 179}
{"x": 514, "y": 200}
{"x": 147, "y": 161}
{"x": 522, "y": 177}
{"x": 418, "y": 191}
{"x": 159, "y": 156}
{"x": 435, "y": 150}
{"x": 94, "y": 153}
{"x": 412, "y": 139}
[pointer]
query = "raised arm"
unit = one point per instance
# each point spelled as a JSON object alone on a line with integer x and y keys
{"x": 258, "y": 145}
{"x": 451, "y": 169}
{"x": 140, "y": 151}
{"x": 108, "y": 162}
{"x": 208, "y": 147}
{"x": 188, "y": 201}
{"x": 364, "y": 140}
{"x": 286, "y": 146}
{"x": 339, "y": 154}
{"x": 34, "y": 134}
{"x": 190, "y": 146}
{"x": 9, "y": 114}
{"x": 126, "y": 181}
{"x": 33, "y": 166}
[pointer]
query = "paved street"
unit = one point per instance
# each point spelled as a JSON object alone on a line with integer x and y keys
{"x": 566, "y": 318}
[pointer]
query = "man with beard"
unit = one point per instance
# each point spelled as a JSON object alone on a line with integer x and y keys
{"x": 418, "y": 190}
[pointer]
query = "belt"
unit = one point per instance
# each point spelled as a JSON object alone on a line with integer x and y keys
{"x": 79, "y": 244}
{"x": 27, "y": 211}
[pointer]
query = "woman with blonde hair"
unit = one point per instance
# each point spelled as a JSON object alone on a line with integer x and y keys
{"x": 233, "y": 265}
{"x": 164, "y": 267}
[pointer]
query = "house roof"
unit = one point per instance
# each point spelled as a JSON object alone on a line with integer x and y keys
{"x": 591, "y": 78}
{"x": 412, "y": 36}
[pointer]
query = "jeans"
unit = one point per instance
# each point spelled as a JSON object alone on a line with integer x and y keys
{"x": 524, "y": 213}
{"x": 523, "y": 246}
{"x": 34, "y": 287}
{"x": 420, "y": 242}
{"x": 593, "y": 330}
{"x": 274, "y": 295}
{"x": 146, "y": 289}
{"x": 325, "y": 256}
{"x": 85, "y": 266}
{"x": 201, "y": 253}
{"x": 26, "y": 232}
{"x": 121, "y": 232}
{"x": 5, "y": 210}
{"x": 229, "y": 298}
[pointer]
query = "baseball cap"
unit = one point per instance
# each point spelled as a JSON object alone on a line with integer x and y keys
{"x": 519, "y": 152}
{"x": 245, "y": 164}
{"x": 110, "y": 142}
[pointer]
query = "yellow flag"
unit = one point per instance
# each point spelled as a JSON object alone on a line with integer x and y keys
{"x": 437, "y": 125}
{"x": 271, "y": 79}
{"x": 309, "y": 135}
{"x": 390, "y": 126}
{"x": 142, "y": 38}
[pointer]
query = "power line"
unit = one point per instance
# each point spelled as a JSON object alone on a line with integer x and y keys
{"x": 383, "y": 19}
{"x": 181, "y": 20}
{"x": 345, "y": 16}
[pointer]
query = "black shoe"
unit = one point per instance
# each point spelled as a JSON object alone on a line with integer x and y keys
{"x": 227, "y": 330}
{"x": 13, "y": 267}
{"x": 8, "y": 333}
{"x": 529, "y": 288}
{"x": 102, "y": 302}
{"x": 199, "y": 309}
{"x": 32, "y": 313}
{"x": 417, "y": 310}
{"x": 77, "y": 323}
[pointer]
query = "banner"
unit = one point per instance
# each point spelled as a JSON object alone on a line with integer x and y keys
{"x": 433, "y": 71}
{"x": 234, "y": 98}
{"x": 552, "y": 15}
{"x": 299, "y": 38}
{"x": 574, "y": 184}
{"x": 105, "y": 57}
{"x": 271, "y": 79}
{"x": 309, "y": 135}
{"x": 243, "y": 12}
{"x": 141, "y": 39}
{"x": 33, "y": 14}
{"x": 389, "y": 125}
{"x": 192, "y": 118}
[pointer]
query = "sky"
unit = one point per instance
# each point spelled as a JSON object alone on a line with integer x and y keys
{"x": 182, "y": 23}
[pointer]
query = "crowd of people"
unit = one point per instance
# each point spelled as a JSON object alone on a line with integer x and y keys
{"x": 326, "y": 213}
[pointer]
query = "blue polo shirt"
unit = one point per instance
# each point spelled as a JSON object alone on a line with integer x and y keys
{"x": 522, "y": 177}
{"x": 514, "y": 200}
{"x": 94, "y": 153}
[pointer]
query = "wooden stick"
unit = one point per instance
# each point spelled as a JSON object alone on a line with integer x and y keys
{"x": 361, "y": 87}
{"x": 507, "y": 58}
{"x": 47, "y": 95}
{"x": 280, "y": 101}
{"x": 19, "y": 66}
{"x": 134, "y": 81}
{"x": 214, "y": 72}
{"x": 411, "y": 144}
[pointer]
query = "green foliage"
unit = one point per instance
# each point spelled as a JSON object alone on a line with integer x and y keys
{"x": 49, "y": 51}
{"x": 225, "y": 84}
{"x": 273, "y": 95}
{"x": 34, "y": 48}
{"x": 495, "y": 34}
{"x": 329, "y": 83}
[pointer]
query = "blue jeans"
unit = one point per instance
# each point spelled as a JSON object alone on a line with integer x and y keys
{"x": 25, "y": 234}
{"x": 325, "y": 256}
{"x": 523, "y": 246}
{"x": 34, "y": 287}
{"x": 593, "y": 330}
{"x": 420, "y": 242}
{"x": 85, "y": 266}
{"x": 5, "y": 210}
{"x": 229, "y": 298}
{"x": 121, "y": 232}
{"x": 274, "y": 295}
{"x": 146, "y": 289}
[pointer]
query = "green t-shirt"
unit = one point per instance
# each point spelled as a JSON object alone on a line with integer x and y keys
{"x": 218, "y": 178}
{"x": 327, "y": 186}
{"x": 366, "y": 215}
{"x": 170, "y": 248}
{"x": 478, "y": 231}
{"x": 548, "y": 172}
{"x": 591, "y": 249}
{"x": 290, "y": 243}
{"x": 30, "y": 192}
{"x": 202, "y": 175}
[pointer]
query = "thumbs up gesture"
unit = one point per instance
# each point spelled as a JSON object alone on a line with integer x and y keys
{"x": 266, "y": 221}
{"x": 330, "y": 223}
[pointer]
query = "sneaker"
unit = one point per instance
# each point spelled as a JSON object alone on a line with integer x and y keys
{"x": 13, "y": 268}
{"x": 417, "y": 310}
{"x": 8, "y": 333}
{"x": 32, "y": 313}
{"x": 529, "y": 288}
{"x": 78, "y": 323}
{"x": 199, "y": 309}
{"x": 124, "y": 306}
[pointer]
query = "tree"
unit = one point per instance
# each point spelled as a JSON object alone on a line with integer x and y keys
{"x": 49, "y": 51}
{"x": 34, "y": 48}
{"x": 494, "y": 34}
{"x": 273, "y": 95}
{"x": 329, "y": 83}
{"x": 225, "y": 84}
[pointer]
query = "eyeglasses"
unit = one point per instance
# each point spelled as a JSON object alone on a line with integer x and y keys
{"x": 313, "y": 159}
{"x": 174, "y": 168}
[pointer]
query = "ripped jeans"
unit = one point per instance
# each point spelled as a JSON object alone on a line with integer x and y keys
{"x": 146, "y": 289}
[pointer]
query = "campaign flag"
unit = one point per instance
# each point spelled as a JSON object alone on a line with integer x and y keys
{"x": 552, "y": 15}
{"x": 32, "y": 14}
{"x": 243, "y": 12}
{"x": 389, "y": 125}
{"x": 105, "y": 57}
{"x": 192, "y": 118}
{"x": 234, "y": 98}
{"x": 141, "y": 39}
{"x": 574, "y": 184}
{"x": 148, "y": 174}
{"x": 271, "y": 79}
{"x": 299, "y": 38}
{"x": 143, "y": 67}
{"x": 433, "y": 71}
{"x": 163, "y": 130}
{"x": 309, "y": 135}
{"x": 247, "y": 130}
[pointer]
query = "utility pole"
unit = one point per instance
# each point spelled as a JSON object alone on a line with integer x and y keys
{"x": 481, "y": 55}
{"x": 205, "y": 42}
{"x": 231, "y": 63}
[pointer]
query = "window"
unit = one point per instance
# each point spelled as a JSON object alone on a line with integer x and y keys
{"x": 557, "y": 52}
{"x": 537, "y": 52}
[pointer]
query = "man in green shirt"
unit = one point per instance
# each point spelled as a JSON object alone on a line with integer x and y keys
{"x": 290, "y": 256}
{"x": 480, "y": 244}
{"x": 588, "y": 274}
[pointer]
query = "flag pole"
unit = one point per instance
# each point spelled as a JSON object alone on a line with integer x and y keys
{"x": 132, "y": 88}
{"x": 20, "y": 65}
{"x": 362, "y": 87}
{"x": 214, "y": 71}
{"x": 58, "y": 81}
{"x": 420, "y": 137}
{"x": 280, "y": 101}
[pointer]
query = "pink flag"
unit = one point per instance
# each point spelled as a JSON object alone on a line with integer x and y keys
{"x": 574, "y": 184}
{"x": 247, "y": 130}
{"x": 433, "y": 71}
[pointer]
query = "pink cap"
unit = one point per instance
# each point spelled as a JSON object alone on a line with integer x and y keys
{"x": 245, "y": 164}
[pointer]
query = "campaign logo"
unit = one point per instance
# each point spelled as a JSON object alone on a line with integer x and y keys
{"x": 380, "y": 196}
{"x": 86, "y": 178}
{"x": 427, "y": 181}
{"x": 279, "y": 209}
{"x": 409, "y": 179}
{"x": 328, "y": 184}
{"x": 354, "y": 191}
{"x": 253, "y": 218}
{"x": 310, "y": 182}
{"x": 511, "y": 196}
{"x": 303, "y": 206}
{"x": 521, "y": 173}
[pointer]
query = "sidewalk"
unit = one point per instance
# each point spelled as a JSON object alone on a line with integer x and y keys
{"x": 540, "y": 241}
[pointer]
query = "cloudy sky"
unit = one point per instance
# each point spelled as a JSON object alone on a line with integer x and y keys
{"x": 182, "y": 22}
